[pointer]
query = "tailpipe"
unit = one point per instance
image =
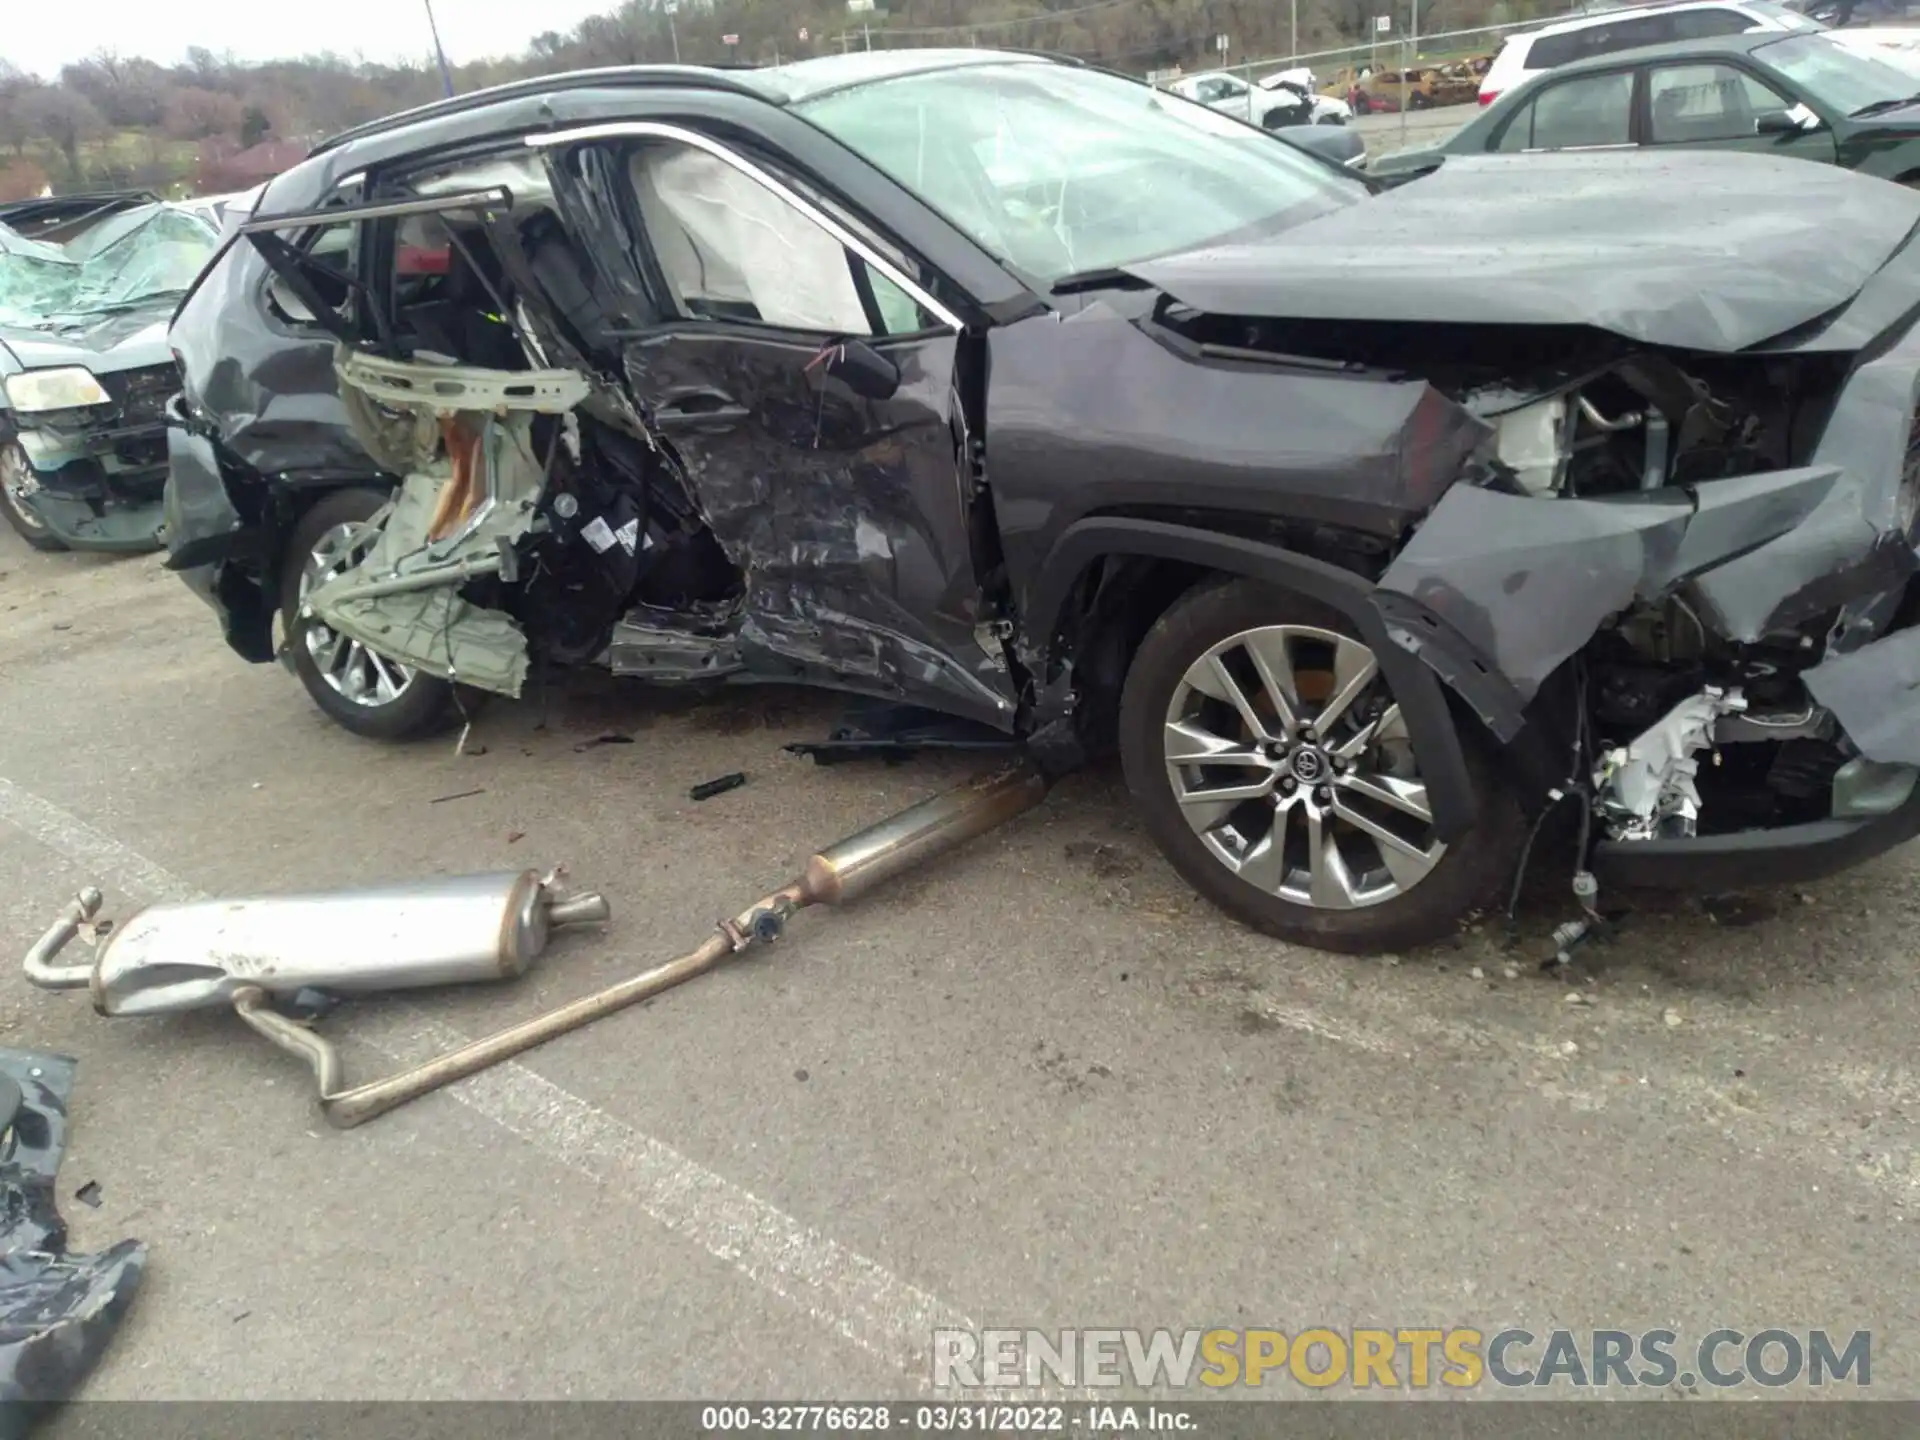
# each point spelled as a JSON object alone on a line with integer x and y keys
{"x": 843, "y": 871}
{"x": 197, "y": 954}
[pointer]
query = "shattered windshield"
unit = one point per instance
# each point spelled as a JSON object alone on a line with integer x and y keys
{"x": 143, "y": 254}
{"x": 1061, "y": 171}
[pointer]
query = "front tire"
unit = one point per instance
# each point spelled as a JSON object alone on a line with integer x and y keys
{"x": 1273, "y": 770}
{"x": 358, "y": 689}
{"x": 15, "y": 478}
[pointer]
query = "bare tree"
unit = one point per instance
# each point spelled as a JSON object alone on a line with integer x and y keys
{"x": 194, "y": 114}
{"x": 65, "y": 117}
{"x": 16, "y": 124}
{"x": 129, "y": 94}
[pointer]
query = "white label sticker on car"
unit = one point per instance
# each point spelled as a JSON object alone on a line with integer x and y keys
{"x": 599, "y": 535}
{"x": 628, "y": 535}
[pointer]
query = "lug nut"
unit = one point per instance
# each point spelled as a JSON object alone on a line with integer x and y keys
{"x": 1339, "y": 766}
{"x": 1324, "y": 795}
{"x": 1286, "y": 783}
{"x": 1307, "y": 734}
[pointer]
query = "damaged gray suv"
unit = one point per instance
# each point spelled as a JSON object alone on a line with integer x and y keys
{"x": 1371, "y": 529}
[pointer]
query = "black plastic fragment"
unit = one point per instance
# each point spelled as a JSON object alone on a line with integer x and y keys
{"x": 719, "y": 785}
{"x": 611, "y": 737}
{"x": 898, "y": 732}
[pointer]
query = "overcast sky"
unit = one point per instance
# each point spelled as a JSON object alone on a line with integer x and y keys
{"x": 43, "y": 35}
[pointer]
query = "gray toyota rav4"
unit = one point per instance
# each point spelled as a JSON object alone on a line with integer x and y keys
{"x": 1371, "y": 529}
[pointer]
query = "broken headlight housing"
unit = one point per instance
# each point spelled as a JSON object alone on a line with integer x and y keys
{"x": 67, "y": 388}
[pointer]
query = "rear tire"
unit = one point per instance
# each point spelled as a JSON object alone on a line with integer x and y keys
{"x": 27, "y": 525}
{"x": 423, "y": 705}
{"x": 1302, "y": 856}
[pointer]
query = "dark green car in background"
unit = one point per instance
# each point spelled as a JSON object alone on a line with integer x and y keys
{"x": 1798, "y": 95}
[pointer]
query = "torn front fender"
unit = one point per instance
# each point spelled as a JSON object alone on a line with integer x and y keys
{"x": 1526, "y": 581}
{"x": 58, "y": 1310}
{"x": 1106, "y": 410}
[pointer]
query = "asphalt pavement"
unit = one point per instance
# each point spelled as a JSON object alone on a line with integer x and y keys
{"x": 1038, "y": 1084}
{"x": 1383, "y": 134}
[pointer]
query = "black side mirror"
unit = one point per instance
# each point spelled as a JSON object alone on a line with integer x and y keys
{"x": 1776, "y": 122}
{"x": 863, "y": 370}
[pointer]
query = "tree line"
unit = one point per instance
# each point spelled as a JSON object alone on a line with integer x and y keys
{"x": 114, "y": 120}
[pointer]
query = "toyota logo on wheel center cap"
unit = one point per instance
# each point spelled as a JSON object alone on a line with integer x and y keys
{"x": 1308, "y": 766}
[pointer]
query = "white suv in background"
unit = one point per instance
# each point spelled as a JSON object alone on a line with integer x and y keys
{"x": 1583, "y": 37}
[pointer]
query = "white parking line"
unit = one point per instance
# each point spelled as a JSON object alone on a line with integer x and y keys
{"x": 855, "y": 1297}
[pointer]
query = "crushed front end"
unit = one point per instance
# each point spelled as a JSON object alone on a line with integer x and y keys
{"x": 85, "y": 453}
{"x": 1684, "y": 582}
{"x": 85, "y": 373}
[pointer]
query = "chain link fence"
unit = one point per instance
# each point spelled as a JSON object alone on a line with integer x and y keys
{"x": 1393, "y": 73}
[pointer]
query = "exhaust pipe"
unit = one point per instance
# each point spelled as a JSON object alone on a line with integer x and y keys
{"x": 841, "y": 872}
{"x": 204, "y": 953}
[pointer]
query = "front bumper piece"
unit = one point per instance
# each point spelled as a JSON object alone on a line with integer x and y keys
{"x": 100, "y": 471}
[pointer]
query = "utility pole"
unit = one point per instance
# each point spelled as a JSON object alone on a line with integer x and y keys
{"x": 1412, "y": 65}
{"x": 1293, "y": 31}
{"x": 866, "y": 34}
{"x": 446, "y": 75}
{"x": 673, "y": 30}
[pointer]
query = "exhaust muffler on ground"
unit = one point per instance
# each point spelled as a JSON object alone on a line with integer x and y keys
{"x": 185, "y": 957}
{"x": 196, "y": 954}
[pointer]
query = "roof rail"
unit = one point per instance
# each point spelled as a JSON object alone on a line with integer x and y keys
{"x": 612, "y": 76}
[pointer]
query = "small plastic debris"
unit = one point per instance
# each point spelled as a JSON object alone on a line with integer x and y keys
{"x": 256, "y": 784}
{"x": 241, "y": 1316}
{"x": 63, "y": 625}
{"x": 719, "y": 785}
{"x": 1511, "y": 972}
{"x": 1736, "y": 910}
{"x": 1574, "y": 997}
{"x": 1673, "y": 1018}
{"x": 611, "y": 737}
{"x": 89, "y": 1194}
{"x": 514, "y": 837}
{"x": 457, "y": 795}
{"x": 1476, "y": 973}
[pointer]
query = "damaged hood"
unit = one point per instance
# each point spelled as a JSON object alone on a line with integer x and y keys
{"x": 1694, "y": 250}
{"x": 124, "y": 340}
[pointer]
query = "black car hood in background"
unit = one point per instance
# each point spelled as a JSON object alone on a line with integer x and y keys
{"x": 127, "y": 339}
{"x": 1696, "y": 250}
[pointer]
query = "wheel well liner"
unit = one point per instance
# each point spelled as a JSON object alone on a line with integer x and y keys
{"x": 1431, "y": 727}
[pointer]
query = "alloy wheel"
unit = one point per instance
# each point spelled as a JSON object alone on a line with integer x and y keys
{"x": 1291, "y": 762}
{"x": 348, "y": 667}
{"x": 16, "y": 479}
